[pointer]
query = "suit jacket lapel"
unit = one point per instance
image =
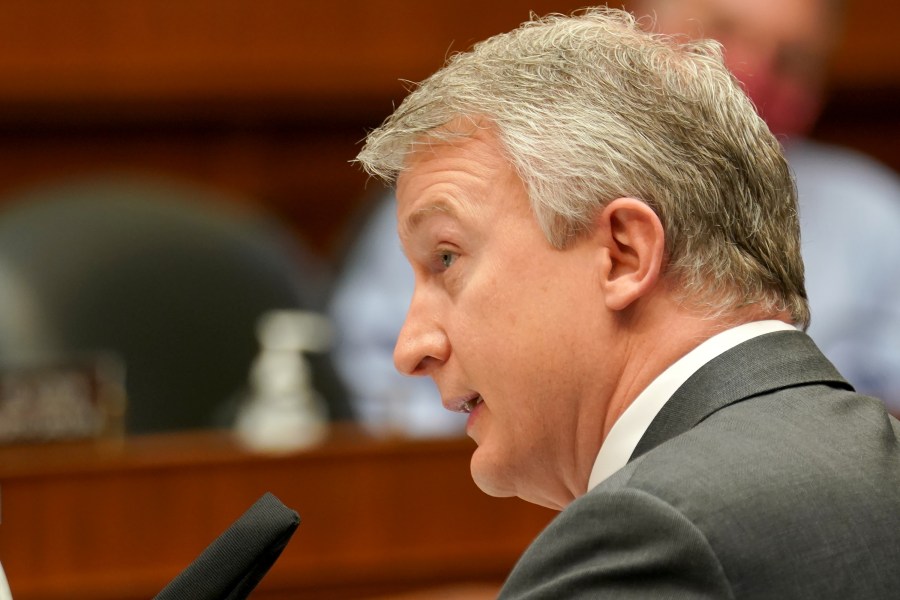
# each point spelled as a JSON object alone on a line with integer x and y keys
{"x": 763, "y": 364}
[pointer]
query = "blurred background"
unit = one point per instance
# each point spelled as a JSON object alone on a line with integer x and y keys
{"x": 170, "y": 172}
{"x": 268, "y": 100}
{"x": 248, "y": 114}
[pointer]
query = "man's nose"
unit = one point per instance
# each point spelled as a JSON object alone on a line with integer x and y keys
{"x": 422, "y": 344}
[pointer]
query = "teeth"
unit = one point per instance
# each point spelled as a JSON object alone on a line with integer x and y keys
{"x": 468, "y": 405}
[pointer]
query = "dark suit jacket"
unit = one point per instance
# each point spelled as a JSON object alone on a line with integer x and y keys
{"x": 765, "y": 476}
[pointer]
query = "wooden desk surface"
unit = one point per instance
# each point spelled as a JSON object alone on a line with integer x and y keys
{"x": 104, "y": 520}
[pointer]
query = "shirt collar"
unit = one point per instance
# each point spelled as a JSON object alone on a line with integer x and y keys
{"x": 626, "y": 432}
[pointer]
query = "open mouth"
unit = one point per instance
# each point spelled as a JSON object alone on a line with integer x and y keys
{"x": 470, "y": 404}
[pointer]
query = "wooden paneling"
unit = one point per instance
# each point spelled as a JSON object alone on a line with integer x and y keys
{"x": 109, "y": 51}
{"x": 316, "y": 51}
{"x": 117, "y": 520}
{"x": 269, "y": 99}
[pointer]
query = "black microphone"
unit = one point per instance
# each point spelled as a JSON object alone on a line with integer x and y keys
{"x": 232, "y": 566}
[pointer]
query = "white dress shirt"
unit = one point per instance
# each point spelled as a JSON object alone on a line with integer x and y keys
{"x": 627, "y": 431}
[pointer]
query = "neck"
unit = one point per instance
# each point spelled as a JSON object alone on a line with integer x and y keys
{"x": 648, "y": 352}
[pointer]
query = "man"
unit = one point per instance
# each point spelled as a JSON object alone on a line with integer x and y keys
{"x": 849, "y": 216}
{"x": 849, "y": 205}
{"x": 605, "y": 245}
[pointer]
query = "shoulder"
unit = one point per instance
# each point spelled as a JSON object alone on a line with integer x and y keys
{"x": 810, "y": 439}
{"x": 762, "y": 499}
{"x": 621, "y": 543}
{"x": 788, "y": 485}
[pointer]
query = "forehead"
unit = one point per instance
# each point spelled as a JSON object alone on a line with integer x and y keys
{"x": 457, "y": 175}
{"x": 466, "y": 144}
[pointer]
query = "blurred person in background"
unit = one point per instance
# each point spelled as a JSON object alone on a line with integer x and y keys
{"x": 849, "y": 204}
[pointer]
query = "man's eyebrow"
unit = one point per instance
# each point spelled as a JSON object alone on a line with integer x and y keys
{"x": 422, "y": 213}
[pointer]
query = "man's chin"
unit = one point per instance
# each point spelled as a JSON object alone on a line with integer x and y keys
{"x": 491, "y": 476}
{"x": 496, "y": 478}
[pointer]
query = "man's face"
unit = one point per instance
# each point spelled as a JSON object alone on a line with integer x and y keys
{"x": 776, "y": 48}
{"x": 503, "y": 322}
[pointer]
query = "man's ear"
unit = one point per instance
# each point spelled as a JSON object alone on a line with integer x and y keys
{"x": 633, "y": 249}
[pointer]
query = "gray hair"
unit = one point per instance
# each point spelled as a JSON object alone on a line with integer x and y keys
{"x": 590, "y": 108}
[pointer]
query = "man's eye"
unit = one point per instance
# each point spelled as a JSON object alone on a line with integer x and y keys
{"x": 446, "y": 258}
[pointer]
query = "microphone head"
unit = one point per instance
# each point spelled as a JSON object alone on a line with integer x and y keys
{"x": 232, "y": 566}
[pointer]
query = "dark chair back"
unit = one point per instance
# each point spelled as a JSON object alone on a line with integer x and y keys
{"x": 169, "y": 277}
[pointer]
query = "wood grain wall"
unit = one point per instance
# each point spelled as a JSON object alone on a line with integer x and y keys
{"x": 269, "y": 99}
